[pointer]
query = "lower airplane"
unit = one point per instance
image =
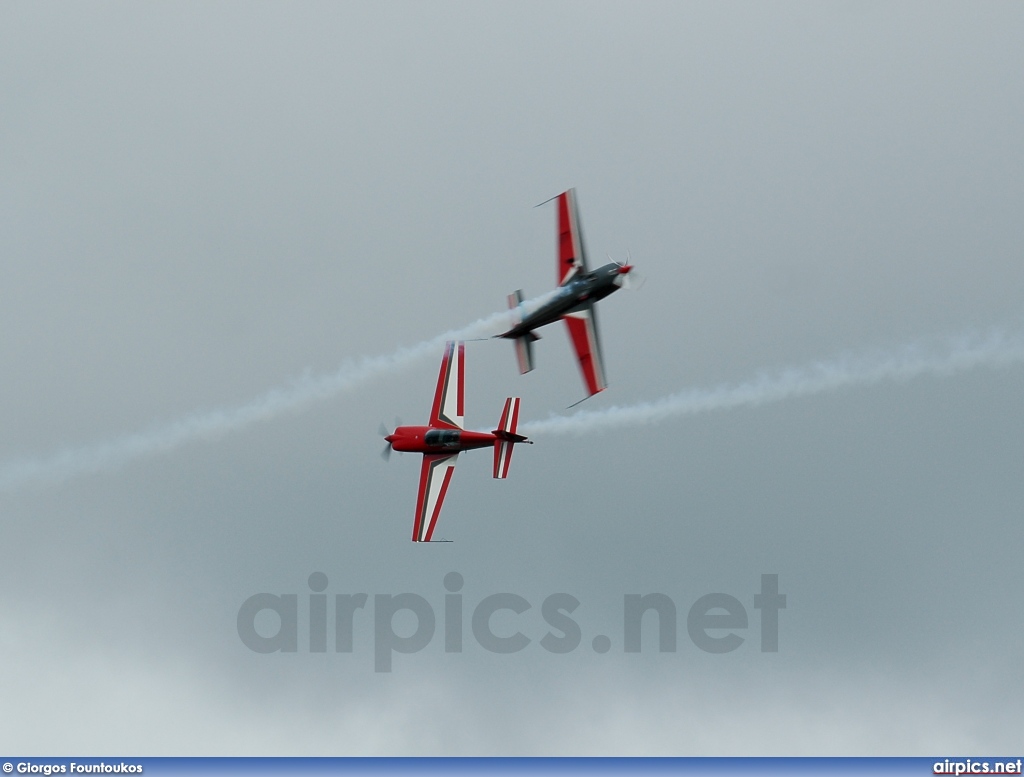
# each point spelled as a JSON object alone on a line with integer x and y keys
{"x": 441, "y": 440}
{"x": 578, "y": 289}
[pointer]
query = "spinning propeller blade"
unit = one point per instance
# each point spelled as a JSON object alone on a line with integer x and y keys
{"x": 383, "y": 431}
{"x": 628, "y": 277}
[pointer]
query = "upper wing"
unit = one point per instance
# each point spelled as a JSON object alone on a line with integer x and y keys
{"x": 435, "y": 475}
{"x": 447, "y": 410}
{"x": 582, "y": 325}
{"x": 571, "y": 253}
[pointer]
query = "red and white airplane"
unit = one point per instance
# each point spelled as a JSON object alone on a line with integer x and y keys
{"x": 441, "y": 440}
{"x": 578, "y": 289}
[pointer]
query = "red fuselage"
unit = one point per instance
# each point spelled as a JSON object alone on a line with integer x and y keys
{"x": 432, "y": 439}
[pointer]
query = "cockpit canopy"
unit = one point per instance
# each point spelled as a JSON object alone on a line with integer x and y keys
{"x": 441, "y": 438}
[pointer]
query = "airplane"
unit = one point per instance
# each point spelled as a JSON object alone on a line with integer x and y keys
{"x": 573, "y": 302}
{"x": 444, "y": 437}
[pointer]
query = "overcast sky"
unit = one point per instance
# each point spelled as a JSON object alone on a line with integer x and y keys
{"x": 202, "y": 203}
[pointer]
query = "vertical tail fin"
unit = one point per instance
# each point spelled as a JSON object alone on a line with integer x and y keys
{"x": 524, "y": 344}
{"x": 507, "y": 437}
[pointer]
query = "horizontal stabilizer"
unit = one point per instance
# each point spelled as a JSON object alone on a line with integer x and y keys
{"x": 515, "y": 299}
{"x": 507, "y": 437}
{"x": 524, "y": 352}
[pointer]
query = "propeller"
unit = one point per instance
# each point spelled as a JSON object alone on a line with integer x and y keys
{"x": 383, "y": 432}
{"x": 627, "y": 275}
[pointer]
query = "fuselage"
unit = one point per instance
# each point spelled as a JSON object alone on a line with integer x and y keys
{"x": 430, "y": 439}
{"x": 583, "y": 289}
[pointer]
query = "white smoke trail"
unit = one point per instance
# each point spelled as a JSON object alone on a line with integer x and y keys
{"x": 995, "y": 349}
{"x": 164, "y": 437}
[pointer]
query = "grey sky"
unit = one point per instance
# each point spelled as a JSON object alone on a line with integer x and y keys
{"x": 201, "y": 203}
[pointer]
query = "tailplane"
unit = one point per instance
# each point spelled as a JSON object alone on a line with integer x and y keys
{"x": 507, "y": 437}
{"x": 523, "y": 343}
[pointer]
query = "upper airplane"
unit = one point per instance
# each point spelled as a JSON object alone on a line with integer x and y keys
{"x": 444, "y": 438}
{"x": 578, "y": 289}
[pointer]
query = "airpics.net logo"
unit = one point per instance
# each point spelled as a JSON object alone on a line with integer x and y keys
{"x": 269, "y": 623}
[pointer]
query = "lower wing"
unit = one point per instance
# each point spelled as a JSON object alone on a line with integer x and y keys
{"x": 582, "y": 325}
{"x": 435, "y": 475}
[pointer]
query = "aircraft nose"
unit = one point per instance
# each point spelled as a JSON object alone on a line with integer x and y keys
{"x": 389, "y": 438}
{"x": 625, "y": 268}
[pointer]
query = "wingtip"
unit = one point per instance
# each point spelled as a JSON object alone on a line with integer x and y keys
{"x": 588, "y": 396}
{"x": 549, "y": 199}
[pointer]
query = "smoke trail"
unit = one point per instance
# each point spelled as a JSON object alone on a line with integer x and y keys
{"x": 996, "y": 349}
{"x": 164, "y": 437}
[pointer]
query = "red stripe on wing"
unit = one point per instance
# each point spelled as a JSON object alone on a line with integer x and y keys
{"x": 462, "y": 380}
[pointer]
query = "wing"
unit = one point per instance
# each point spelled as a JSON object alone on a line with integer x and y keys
{"x": 447, "y": 410}
{"x": 582, "y": 325}
{"x": 435, "y": 475}
{"x": 571, "y": 253}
